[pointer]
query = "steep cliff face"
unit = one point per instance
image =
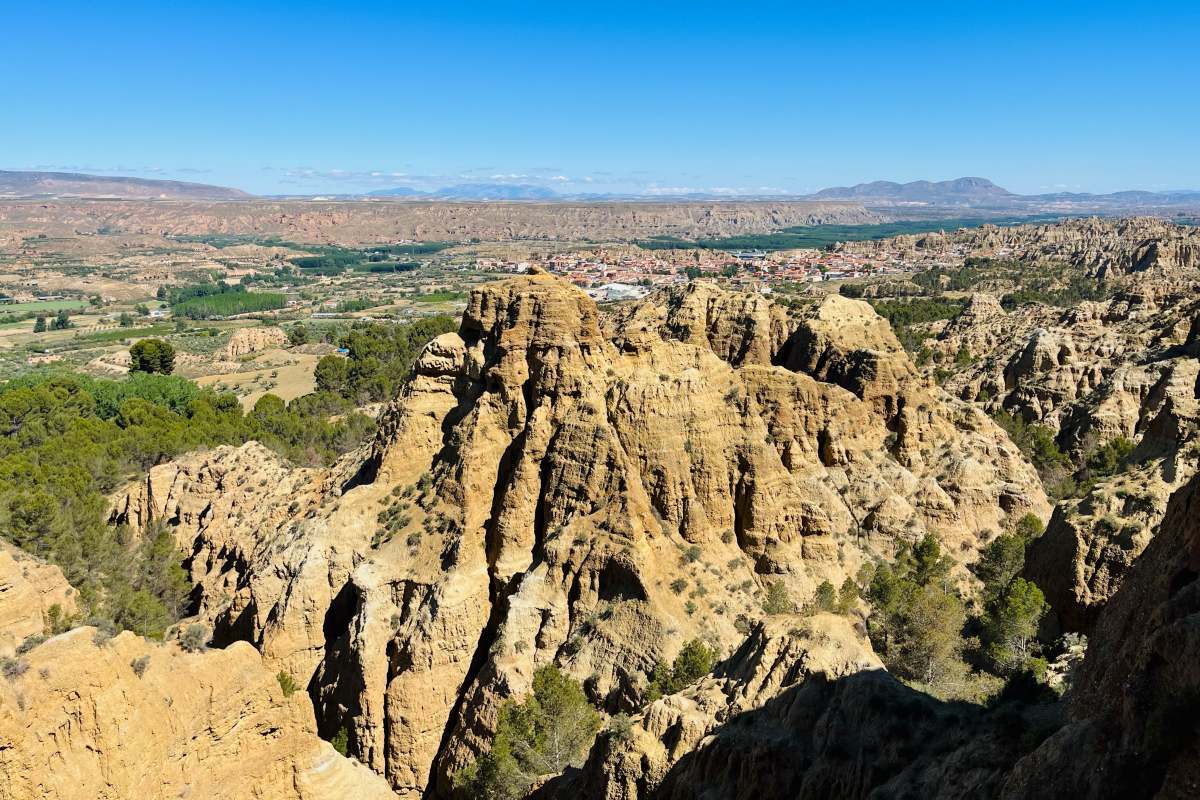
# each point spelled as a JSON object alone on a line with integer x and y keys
{"x": 804, "y": 709}
{"x": 268, "y": 544}
{"x": 554, "y": 487}
{"x": 741, "y": 328}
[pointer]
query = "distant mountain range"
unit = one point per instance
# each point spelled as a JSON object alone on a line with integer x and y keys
{"x": 75, "y": 184}
{"x": 975, "y": 193}
{"x": 982, "y": 193}
{"x": 960, "y": 191}
{"x": 473, "y": 191}
{"x": 919, "y": 198}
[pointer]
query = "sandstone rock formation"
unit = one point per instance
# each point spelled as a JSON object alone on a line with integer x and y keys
{"x": 805, "y": 712}
{"x": 1135, "y": 698}
{"x": 778, "y": 656}
{"x": 552, "y": 486}
{"x": 29, "y": 589}
{"x": 1093, "y": 373}
{"x": 1129, "y": 252}
{"x": 125, "y": 718}
{"x": 244, "y": 517}
{"x": 251, "y": 340}
{"x": 1129, "y": 729}
{"x": 740, "y": 328}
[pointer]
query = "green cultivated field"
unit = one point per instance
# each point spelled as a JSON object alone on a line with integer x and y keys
{"x": 818, "y": 236}
{"x": 121, "y": 334}
{"x": 43, "y": 305}
{"x": 437, "y": 297}
{"x": 228, "y": 304}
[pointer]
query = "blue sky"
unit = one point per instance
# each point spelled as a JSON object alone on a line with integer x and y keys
{"x": 647, "y": 97}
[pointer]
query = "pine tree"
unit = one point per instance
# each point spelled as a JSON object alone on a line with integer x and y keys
{"x": 1012, "y": 625}
{"x": 153, "y": 356}
{"x": 545, "y": 733}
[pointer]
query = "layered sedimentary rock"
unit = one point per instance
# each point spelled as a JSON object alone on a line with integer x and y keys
{"x": 1130, "y": 251}
{"x": 31, "y": 592}
{"x": 778, "y": 656}
{"x": 1097, "y": 372}
{"x": 1128, "y": 730}
{"x": 741, "y": 328}
{"x": 266, "y": 568}
{"x": 803, "y": 709}
{"x": 85, "y": 717}
{"x": 554, "y": 487}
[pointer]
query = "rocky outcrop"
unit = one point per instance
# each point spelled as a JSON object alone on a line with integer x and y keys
{"x": 1090, "y": 544}
{"x": 1094, "y": 373}
{"x": 1132, "y": 251}
{"x": 979, "y": 327}
{"x": 251, "y": 340}
{"x": 1128, "y": 731}
{"x": 778, "y": 656}
{"x": 846, "y": 343}
{"x": 85, "y": 717}
{"x": 740, "y": 328}
{"x": 806, "y": 713}
{"x": 31, "y": 592}
{"x": 554, "y": 487}
{"x": 269, "y": 547}
{"x": 1135, "y": 697}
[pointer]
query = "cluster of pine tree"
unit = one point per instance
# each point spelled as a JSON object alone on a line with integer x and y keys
{"x": 926, "y": 633}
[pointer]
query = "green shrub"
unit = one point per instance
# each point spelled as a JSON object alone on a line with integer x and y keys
{"x": 777, "y": 600}
{"x": 341, "y": 741}
{"x": 694, "y": 661}
{"x": 287, "y": 683}
{"x": 1110, "y": 458}
{"x": 826, "y": 597}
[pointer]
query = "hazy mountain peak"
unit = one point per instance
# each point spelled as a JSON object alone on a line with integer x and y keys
{"x": 76, "y": 184}
{"x": 958, "y": 191}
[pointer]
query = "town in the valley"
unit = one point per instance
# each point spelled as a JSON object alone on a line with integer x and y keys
{"x": 629, "y": 273}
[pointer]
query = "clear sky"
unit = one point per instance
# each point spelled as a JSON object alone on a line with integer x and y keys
{"x": 615, "y": 96}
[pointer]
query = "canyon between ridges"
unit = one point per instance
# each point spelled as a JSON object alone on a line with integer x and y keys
{"x": 553, "y": 470}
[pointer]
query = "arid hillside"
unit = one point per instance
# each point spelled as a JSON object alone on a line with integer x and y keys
{"x": 73, "y": 184}
{"x": 363, "y": 222}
